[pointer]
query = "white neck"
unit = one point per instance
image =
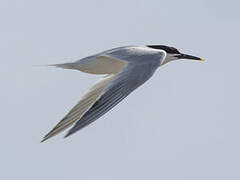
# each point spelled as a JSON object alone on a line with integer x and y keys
{"x": 168, "y": 58}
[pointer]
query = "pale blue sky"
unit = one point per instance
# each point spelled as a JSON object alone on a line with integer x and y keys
{"x": 182, "y": 124}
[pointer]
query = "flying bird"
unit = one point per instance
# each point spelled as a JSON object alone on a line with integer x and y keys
{"x": 125, "y": 69}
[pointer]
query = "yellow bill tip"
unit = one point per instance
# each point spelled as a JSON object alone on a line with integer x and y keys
{"x": 202, "y": 59}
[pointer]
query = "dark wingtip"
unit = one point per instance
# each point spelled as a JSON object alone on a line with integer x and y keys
{"x": 44, "y": 139}
{"x": 68, "y": 134}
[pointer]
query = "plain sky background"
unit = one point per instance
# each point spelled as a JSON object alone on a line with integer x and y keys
{"x": 182, "y": 124}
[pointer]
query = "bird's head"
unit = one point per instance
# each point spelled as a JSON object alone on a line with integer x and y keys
{"x": 173, "y": 54}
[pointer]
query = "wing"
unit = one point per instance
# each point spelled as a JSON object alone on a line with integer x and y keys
{"x": 81, "y": 107}
{"x": 127, "y": 69}
{"x": 120, "y": 87}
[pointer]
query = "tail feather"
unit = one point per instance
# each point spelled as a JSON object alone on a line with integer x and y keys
{"x": 64, "y": 65}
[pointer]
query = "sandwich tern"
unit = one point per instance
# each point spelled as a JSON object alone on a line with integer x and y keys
{"x": 125, "y": 69}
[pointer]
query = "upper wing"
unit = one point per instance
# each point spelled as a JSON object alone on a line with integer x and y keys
{"x": 121, "y": 86}
{"x": 112, "y": 61}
